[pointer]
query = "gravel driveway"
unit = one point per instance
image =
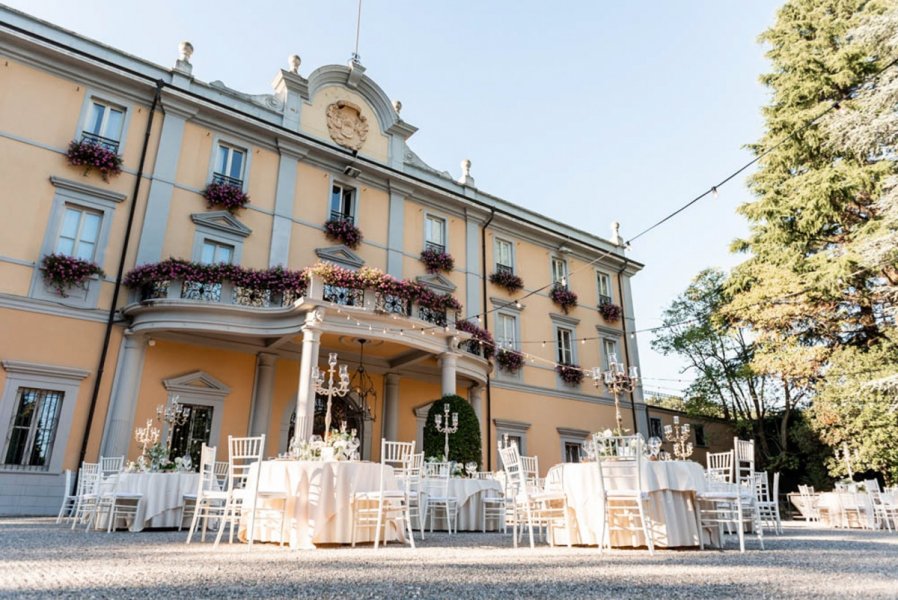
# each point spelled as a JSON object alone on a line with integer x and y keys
{"x": 41, "y": 559}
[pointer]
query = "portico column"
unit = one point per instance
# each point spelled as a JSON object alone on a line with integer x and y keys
{"x": 448, "y": 362}
{"x": 305, "y": 395}
{"x": 391, "y": 406}
{"x": 123, "y": 401}
{"x": 262, "y": 392}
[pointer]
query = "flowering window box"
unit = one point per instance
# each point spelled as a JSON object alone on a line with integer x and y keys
{"x": 226, "y": 195}
{"x": 505, "y": 278}
{"x": 437, "y": 260}
{"x": 510, "y": 361}
{"x": 610, "y": 312}
{"x": 481, "y": 342}
{"x": 571, "y": 375}
{"x": 343, "y": 231}
{"x": 91, "y": 154}
{"x": 563, "y": 297}
{"x": 63, "y": 272}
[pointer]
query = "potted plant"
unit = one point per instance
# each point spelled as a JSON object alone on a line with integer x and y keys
{"x": 563, "y": 297}
{"x": 226, "y": 195}
{"x": 481, "y": 340}
{"x": 571, "y": 375}
{"x": 435, "y": 260}
{"x": 64, "y": 272}
{"x": 610, "y": 312}
{"x": 510, "y": 361}
{"x": 343, "y": 231}
{"x": 91, "y": 155}
{"x": 508, "y": 280}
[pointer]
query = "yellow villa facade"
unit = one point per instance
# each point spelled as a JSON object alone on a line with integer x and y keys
{"x": 82, "y": 366}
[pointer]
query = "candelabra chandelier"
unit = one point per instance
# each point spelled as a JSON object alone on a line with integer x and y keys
{"x": 679, "y": 434}
{"x": 175, "y": 415}
{"x": 146, "y": 437}
{"x": 617, "y": 380}
{"x": 363, "y": 387}
{"x": 326, "y": 386}
{"x": 447, "y": 429}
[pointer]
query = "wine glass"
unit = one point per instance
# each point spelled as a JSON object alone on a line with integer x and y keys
{"x": 471, "y": 469}
{"x": 654, "y": 446}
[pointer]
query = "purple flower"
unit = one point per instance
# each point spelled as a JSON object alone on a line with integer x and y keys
{"x": 510, "y": 360}
{"x": 228, "y": 196}
{"x": 570, "y": 374}
{"x": 344, "y": 231}
{"x": 435, "y": 261}
{"x": 563, "y": 297}
{"x": 508, "y": 280}
{"x": 610, "y": 312}
{"x": 62, "y": 271}
{"x": 91, "y": 155}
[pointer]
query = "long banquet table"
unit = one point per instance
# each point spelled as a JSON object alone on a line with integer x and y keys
{"x": 163, "y": 496}
{"x": 671, "y": 486}
{"x": 846, "y": 509}
{"x": 318, "y": 504}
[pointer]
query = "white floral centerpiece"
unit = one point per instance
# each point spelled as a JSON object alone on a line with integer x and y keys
{"x": 340, "y": 445}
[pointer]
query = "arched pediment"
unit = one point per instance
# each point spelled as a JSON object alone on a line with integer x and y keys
{"x": 388, "y": 119}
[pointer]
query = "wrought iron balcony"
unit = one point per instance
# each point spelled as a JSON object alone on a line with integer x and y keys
{"x": 221, "y": 178}
{"x": 434, "y": 246}
{"x": 500, "y": 268}
{"x": 223, "y": 292}
{"x": 336, "y": 215}
{"x": 104, "y": 142}
{"x": 603, "y": 300}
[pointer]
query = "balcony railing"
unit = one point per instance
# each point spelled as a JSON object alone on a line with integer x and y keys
{"x": 603, "y": 300}
{"x": 434, "y": 246}
{"x": 500, "y": 268}
{"x": 344, "y": 296}
{"x": 104, "y": 142}
{"x": 223, "y": 292}
{"x": 336, "y": 215}
{"x": 221, "y": 178}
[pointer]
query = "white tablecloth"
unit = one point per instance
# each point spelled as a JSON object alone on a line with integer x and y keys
{"x": 163, "y": 495}
{"x": 467, "y": 493}
{"x": 318, "y": 508}
{"x": 846, "y": 509}
{"x": 671, "y": 486}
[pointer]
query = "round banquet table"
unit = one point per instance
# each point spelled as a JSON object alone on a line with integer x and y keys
{"x": 318, "y": 501}
{"x": 671, "y": 486}
{"x": 163, "y": 496}
{"x": 467, "y": 493}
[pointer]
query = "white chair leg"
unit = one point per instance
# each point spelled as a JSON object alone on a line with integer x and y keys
{"x": 380, "y": 515}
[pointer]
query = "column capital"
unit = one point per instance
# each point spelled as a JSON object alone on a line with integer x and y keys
{"x": 267, "y": 358}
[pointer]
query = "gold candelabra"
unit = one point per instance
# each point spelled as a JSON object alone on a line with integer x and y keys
{"x": 679, "y": 434}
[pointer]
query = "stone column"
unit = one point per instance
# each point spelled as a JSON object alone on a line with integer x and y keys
{"x": 391, "y": 406}
{"x": 262, "y": 393}
{"x": 123, "y": 399}
{"x": 305, "y": 394}
{"x": 448, "y": 361}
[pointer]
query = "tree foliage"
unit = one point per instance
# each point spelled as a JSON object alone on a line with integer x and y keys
{"x": 464, "y": 445}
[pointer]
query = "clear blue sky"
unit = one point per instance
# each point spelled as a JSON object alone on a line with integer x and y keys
{"x": 586, "y": 111}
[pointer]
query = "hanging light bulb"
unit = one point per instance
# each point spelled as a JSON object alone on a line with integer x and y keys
{"x": 714, "y": 192}
{"x": 517, "y": 304}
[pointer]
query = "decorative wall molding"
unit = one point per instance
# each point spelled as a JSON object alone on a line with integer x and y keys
{"x": 222, "y": 220}
{"x": 341, "y": 255}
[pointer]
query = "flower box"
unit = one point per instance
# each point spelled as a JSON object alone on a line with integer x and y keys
{"x": 508, "y": 280}
{"x": 481, "y": 341}
{"x": 510, "y": 361}
{"x": 563, "y": 297}
{"x": 571, "y": 375}
{"x": 610, "y": 312}
{"x": 63, "y": 272}
{"x": 91, "y": 155}
{"x": 343, "y": 231}
{"x": 435, "y": 261}
{"x": 226, "y": 195}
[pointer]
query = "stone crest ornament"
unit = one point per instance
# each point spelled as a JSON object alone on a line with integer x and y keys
{"x": 346, "y": 124}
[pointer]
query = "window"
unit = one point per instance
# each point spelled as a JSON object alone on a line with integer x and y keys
{"x": 79, "y": 232}
{"x": 229, "y": 165}
{"x": 506, "y": 327}
{"x": 104, "y": 125}
{"x": 513, "y": 439}
{"x": 605, "y": 295}
{"x": 655, "y": 427}
{"x": 565, "y": 342}
{"x": 504, "y": 256}
{"x": 609, "y": 350}
{"x": 215, "y": 252}
{"x": 559, "y": 271}
{"x": 572, "y": 452}
{"x": 435, "y": 233}
{"x": 33, "y": 427}
{"x": 342, "y": 203}
{"x": 188, "y": 438}
{"x": 699, "y": 435}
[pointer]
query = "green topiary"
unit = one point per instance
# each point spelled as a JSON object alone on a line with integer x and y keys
{"x": 464, "y": 444}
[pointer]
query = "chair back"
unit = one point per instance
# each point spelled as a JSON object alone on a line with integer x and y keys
{"x": 515, "y": 477}
{"x": 244, "y": 452}
{"x": 762, "y": 487}
{"x": 531, "y": 468}
{"x": 436, "y": 478}
{"x": 775, "y": 496}
{"x": 90, "y": 479}
{"x": 221, "y": 474}
{"x": 619, "y": 461}
{"x": 555, "y": 480}
{"x": 111, "y": 464}
{"x": 744, "y": 461}
{"x": 871, "y": 485}
{"x": 397, "y": 455}
{"x": 208, "y": 481}
{"x": 485, "y": 475}
{"x": 806, "y": 490}
{"x": 413, "y": 473}
{"x": 68, "y": 484}
{"x": 720, "y": 467}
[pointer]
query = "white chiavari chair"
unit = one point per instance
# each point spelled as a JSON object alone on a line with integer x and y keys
{"x": 720, "y": 467}
{"x": 626, "y": 503}
{"x": 436, "y": 489}
{"x": 210, "y": 499}
{"x": 112, "y": 502}
{"x": 529, "y": 503}
{"x": 732, "y": 504}
{"x": 768, "y": 505}
{"x": 377, "y": 509}
{"x": 109, "y": 465}
{"x": 413, "y": 479}
{"x": 809, "y": 500}
{"x": 221, "y": 474}
{"x": 244, "y": 498}
{"x": 88, "y": 493}
{"x": 69, "y": 496}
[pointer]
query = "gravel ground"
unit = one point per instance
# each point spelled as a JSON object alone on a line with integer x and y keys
{"x": 40, "y": 559}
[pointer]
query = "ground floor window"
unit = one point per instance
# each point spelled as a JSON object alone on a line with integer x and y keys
{"x": 655, "y": 427}
{"x": 33, "y": 427}
{"x": 342, "y": 410}
{"x": 572, "y": 452}
{"x": 189, "y": 437}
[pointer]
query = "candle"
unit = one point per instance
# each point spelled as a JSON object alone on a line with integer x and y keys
{"x": 676, "y": 420}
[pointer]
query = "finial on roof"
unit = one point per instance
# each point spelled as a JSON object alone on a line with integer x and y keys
{"x": 616, "y": 239}
{"x": 294, "y": 61}
{"x": 466, "y": 178}
{"x": 185, "y": 51}
{"x": 397, "y": 106}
